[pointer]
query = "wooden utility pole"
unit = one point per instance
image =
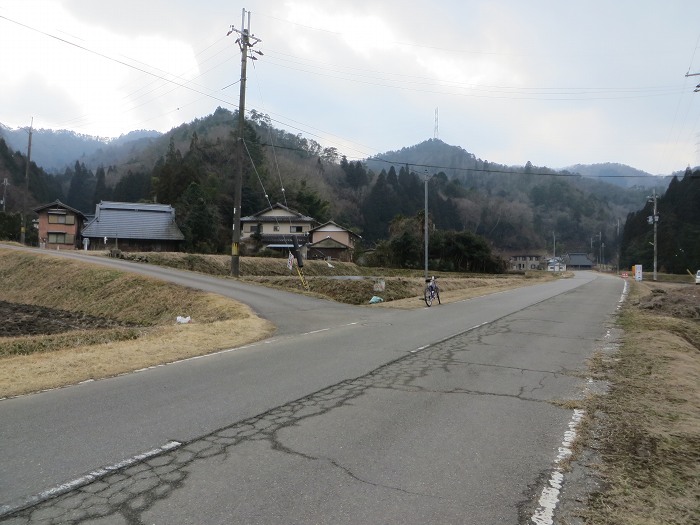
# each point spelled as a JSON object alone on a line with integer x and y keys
{"x": 245, "y": 41}
{"x": 23, "y": 226}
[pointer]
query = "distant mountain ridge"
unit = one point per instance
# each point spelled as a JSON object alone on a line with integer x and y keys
{"x": 620, "y": 174}
{"x": 54, "y": 150}
{"x": 514, "y": 207}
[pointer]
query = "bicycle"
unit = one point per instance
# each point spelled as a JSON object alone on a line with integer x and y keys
{"x": 431, "y": 292}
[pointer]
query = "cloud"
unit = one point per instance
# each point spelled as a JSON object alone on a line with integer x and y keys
{"x": 554, "y": 83}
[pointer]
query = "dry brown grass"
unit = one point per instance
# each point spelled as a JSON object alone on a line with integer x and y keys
{"x": 648, "y": 429}
{"x": 151, "y": 306}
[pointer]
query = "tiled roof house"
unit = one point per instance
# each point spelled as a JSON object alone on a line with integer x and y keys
{"x": 275, "y": 226}
{"x": 132, "y": 226}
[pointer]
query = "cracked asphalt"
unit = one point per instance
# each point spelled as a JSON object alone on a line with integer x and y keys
{"x": 459, "y": 432}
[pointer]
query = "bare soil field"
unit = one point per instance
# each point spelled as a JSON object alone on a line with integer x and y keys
{"x": 28, "y": 320}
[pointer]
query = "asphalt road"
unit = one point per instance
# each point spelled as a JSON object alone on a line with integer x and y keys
{"x": 347, "y": 415}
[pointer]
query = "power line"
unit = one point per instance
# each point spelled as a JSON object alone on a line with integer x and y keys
{"x": 117, "y": 61}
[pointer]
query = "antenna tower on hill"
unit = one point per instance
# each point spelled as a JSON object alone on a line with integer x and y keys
{"x": 436, "y": 131}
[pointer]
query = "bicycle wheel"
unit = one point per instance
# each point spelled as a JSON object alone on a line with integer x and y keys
{"x": 428, "y": 296}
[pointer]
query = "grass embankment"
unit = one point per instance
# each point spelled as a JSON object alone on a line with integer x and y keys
{"x": 647, "y": 428}
{"x": 145, "y": 310}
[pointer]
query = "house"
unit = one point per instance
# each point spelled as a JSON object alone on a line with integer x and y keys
{"x": 556, "y": 264}
{"x": 525, "y": 262}
{"x": 331, "y": 241}
{"x": 59, "y": 226}
{"x": 579, "y": 261}
{"x": 129, "y": 226}
{"x": 275, "y": 226}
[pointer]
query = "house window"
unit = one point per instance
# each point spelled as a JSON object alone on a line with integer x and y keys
{"x": 276, "y": 227}
{"x": 55, "y": 218}
{"x": 61, "y": 238}
{"x": 295, "y": 229}
{"x": 254, "y": 228}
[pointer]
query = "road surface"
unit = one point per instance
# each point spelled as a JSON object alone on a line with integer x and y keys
{"x": 348, "y": 415}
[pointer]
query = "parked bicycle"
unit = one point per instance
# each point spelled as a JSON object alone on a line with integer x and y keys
{"x": 431, "y": 292}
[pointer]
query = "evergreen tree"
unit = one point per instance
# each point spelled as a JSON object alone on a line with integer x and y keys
{"x": 81, "y": 189}
{"x": 102, "y": 192}
{"x": 307, "y": 201}
{"x": 199, "y": 220}
{"x": 133, "y": 187}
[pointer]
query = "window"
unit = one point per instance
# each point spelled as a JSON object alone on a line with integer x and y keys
{"x": 61, "y": 218}
{"x": 61, "y": 238}
{"x": 295, "y": 229}
{"x": 276, "y": 227}
{"x": 254, "y": 228}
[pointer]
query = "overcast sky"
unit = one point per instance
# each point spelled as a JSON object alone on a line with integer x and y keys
{"x": 551, "y": 82}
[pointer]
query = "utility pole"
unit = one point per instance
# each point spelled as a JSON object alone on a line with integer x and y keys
{"x": 23, "y": 226}
{"x": 689, "y": 74}
{"x": 244, "y": 41}
{"x": 4, "y": 194}
{"x": 425, "y": 227}
{"x": 654, "y": 219}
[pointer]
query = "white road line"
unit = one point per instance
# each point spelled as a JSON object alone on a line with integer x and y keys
{"x": 88, "y": 478}
{"x": 544, "y": 515}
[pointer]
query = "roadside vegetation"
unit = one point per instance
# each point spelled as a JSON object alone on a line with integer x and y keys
{"x": 646, "y": 429}
{"x": 115, "y": 322}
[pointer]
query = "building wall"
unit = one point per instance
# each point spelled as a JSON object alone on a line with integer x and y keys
{"x": 58, "y": 229}
{"x": 341, "y": 236}
{"x": 525, "y": 262}
{"x": 134, "y": 245}
{"x": 283, "y": 227}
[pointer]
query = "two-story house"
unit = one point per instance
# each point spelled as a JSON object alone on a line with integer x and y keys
{"x": 332, "y": 241}
{"x": 275, "y": 226}
{"x": 522, "y": 262}
{"x": 59, "y": 226}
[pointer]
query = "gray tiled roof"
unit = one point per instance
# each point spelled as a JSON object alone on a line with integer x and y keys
{"x": 579, "y": 259}
{"x": 291, "y": 214}
{"x": 127, "y": 220}
{"x": 58, "y": 204}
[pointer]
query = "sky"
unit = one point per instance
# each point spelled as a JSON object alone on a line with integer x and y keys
{"x": 550, "y": 82}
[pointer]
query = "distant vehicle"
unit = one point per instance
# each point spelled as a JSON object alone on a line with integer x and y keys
{"x": 697, "y": 277}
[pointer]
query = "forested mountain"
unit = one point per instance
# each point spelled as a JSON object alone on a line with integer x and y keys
{"x": 620, "y": 175}
{"x": 56, "y": 150}
{"x": 521, "y": 208}
{"x": 515, "y": 209}
{"x": 16, "y": 200}
{"x": 678, "y": 229}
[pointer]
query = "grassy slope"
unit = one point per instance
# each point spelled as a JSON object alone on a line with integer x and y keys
{"x": 149, "y": 306}
{"x": 647, "y": 428}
